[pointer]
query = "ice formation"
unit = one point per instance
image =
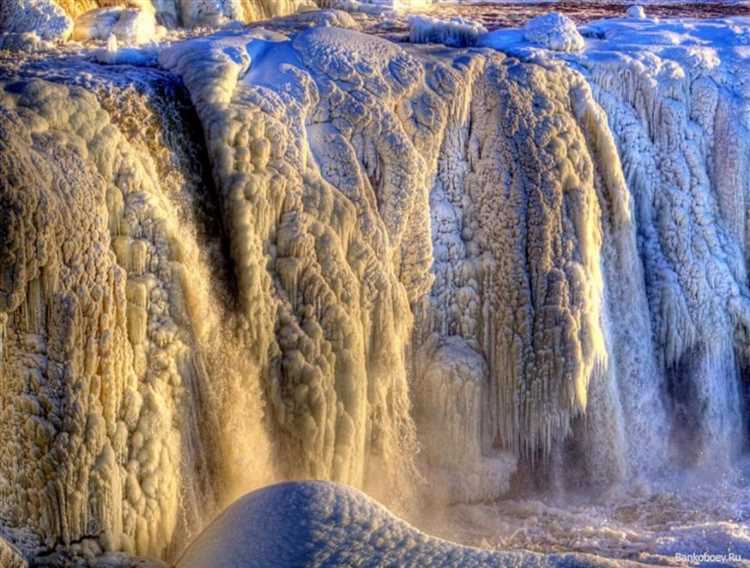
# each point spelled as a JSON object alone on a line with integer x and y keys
{"x": 216, "y": 12}
{"x": 101, "y": 354}
{"x": 380, "y": 5}
{"x": 636, "y": 12}
{"x": 132, "y": 21}
{"x": 343, "y": 223}
{"x": 308, "y": 252}
{"x": 685, "y": 163}
{"x": 456, "y": 32}
{"x": 10, "y": 557}
{"x": 44, "y": 18}
{"x": 554, "y": 31}
{"x": 127, "y": 25}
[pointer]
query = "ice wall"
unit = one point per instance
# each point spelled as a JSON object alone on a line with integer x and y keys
{"x": 675, "y": 171}
{"x": 517, "y": 218}
{"x": 679, "y": 117}
{"x": 106, "y": 310}
{"x": 325, "y": 204}
{"x": 292, "y": 326}
{"x": 517, "y": 242}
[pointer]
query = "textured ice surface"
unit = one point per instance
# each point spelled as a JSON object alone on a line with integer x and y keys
{"x": 539, "y": 254}
{"x": 669, "y": 91}
{"x": 450, "y": 400}
{"x": 98, "y": 310}
{"x": 456, "y": 32}
{"x": 318, "y": 523}
{"x": 683, "y": 514}
{"x": 44, "y": 18}
{"x": 554, "y": 31}
{"x": 350, "y": 230}
{"x": 127, "y": 25}
{"x": 53, "y": 19}
{"x": 10, "y": 557}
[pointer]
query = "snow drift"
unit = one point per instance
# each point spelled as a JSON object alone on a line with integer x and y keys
{"x": 318, "y": 523}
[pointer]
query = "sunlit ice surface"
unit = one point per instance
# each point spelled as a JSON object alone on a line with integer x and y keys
{"x": 629, "y": 338}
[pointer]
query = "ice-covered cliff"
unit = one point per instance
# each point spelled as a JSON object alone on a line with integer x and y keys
{"x": 317, "y": 253}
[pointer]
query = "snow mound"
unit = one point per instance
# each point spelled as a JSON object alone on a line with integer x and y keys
{"x": 456, "y": 32}
{"x": 554, "y": 31}
{"x": 320, "y": 523}
{"x": 636, "y": 12}
{"x": 43, "y": 17}
{"x": 128, "y": 25}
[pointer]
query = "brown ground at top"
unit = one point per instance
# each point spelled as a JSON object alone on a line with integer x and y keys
{"x": 495, "y": 16}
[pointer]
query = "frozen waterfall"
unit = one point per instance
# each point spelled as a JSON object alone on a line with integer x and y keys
{"x": 304, "y": 252}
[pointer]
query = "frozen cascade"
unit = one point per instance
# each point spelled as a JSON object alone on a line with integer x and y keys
{"x": 108, "y": 309}
{"x": 686, "y": 164}
{"x": 327, "y": 255}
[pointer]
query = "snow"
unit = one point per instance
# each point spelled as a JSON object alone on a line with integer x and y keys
{"x": 355, "y": 6}
{"x": 320, "y": 523}
{"x": 26, "y": 41}
{"x": 96, "y": 24}
{"x": 219, "y": 12}
{"x": 327, "y": 18}
{"x": 399, "y": 5}
{"x": 455, "y": 32}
